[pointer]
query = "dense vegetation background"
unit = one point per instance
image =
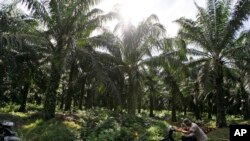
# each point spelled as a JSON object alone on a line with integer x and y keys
{"x": 111, "y": 86}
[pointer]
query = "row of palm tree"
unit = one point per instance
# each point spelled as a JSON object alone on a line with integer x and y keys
{"x": 51, "y": 53}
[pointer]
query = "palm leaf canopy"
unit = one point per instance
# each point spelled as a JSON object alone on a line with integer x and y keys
{"x": 216, "y": 27}
{"x": 66, "y": 20}
{"x": 137, "y": 41}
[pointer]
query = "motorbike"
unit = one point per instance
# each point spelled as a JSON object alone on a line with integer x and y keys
{"x": 6, "y": 132}
{"x": 169, "y": 134}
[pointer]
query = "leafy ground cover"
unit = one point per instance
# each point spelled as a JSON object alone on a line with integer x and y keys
{"x": 89, "y": 125}
{"x": 100, "y": 125}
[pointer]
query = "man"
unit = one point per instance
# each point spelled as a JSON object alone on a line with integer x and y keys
{"x": 194, "y": 133}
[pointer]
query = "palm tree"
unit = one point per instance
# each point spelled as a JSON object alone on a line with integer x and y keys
{"x": 20, "y": 55}
{"x": 65, "y": 22}
{"x": 134, "y": 43}
{"x": 243, "y": 71}
{"x": 105, "y": 79}
{"x": 97, "y": 70}
{"x": 173, "y": 70}
{"x": 214, "y": 32}
{"x": 152, "y": 87}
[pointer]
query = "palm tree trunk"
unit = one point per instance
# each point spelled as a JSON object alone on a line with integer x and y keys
{"x": 174, "y": 92}
{"x": 210, "y": 106}
{"x": 50, "y": 96}
{"x": 122, "y": 89}
{"x": 62, "y": 98}
{"x": 173, "y": 114}
{"x": 197, "y": 112}
{"x": 82, "y": 92}
{"x": 69, "y": 94}
{"x": 132, "y": 98}
{"x": 24, "y": 95}
{"x": 89, "y": 99}
{"x": 2, "y": 75}
{"x": 151, "y": 105}
{"x": 221, "y": 115}
{"x": 37, "y": 99}
{"x": 245, "y": 97}
{"x": 185, "y": 110}
{"x": 117, "y": 98}
{"x": 210, "y": 109}
{"x": 139, "y": 101}
{"x": 132, "y": 102}
{"x": 246, "y": 113}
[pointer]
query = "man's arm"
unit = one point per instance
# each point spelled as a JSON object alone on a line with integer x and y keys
{"x": 186, "y": 131}
{"x": 183, "y": 131}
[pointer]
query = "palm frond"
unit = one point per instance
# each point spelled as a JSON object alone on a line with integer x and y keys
{"x": 8, "y": 39}
{"x": 197, "y": 62}
{"x": 240, "y": 13}
{"x": 37, "y": 8}
{"x": 221, "y": 21}
{"x": 239, "y": 49}
{"x": 168, "y": 61}
{"x": 196, "y": 52}
{"x": 193, "y": 33}
{"x": 204, "y": 19}
{"x": 92, "y": 64}
{"x": 236, "y": 52}
{"x": 231, "y": 74}
{"x": 107, "y": 58}
{"x": 108, "y": 41}
{"x": 206, "y": 77}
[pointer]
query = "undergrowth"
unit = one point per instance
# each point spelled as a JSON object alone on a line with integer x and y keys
{"x": 99, "y": 125}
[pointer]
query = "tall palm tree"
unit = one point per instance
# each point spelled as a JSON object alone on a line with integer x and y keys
{"x": 136, "y": 44}
{"x": 131, "y": 47}
{"x": 171, "y": 62}
{"x": 97, "y": 69}
{"x": 243, "y": 71}
{"x": 214, "y": 32}
{"x": 152, "y": 87}
{"x": 20, "y": 54}
{"x": 64, "y": 22}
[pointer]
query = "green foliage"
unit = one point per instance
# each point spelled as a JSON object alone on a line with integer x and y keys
{"x": 9, "y": 108}
{"x": 102, "y": 125}
{"x": 92, "y": 125}
{"x": 52, "y": 130}
{"x": 113, "y": 126}
{"x": 12, "y": 107}
{"x": 49, "y": 56}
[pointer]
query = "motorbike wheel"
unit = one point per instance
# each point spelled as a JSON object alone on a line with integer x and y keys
{"x": 11, "y": 138}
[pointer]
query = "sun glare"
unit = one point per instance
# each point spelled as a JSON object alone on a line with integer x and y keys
{"x": 134, "y": 10}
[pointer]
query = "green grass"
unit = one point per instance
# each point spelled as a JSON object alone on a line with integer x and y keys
{"x": 52, "y": 130}
{"x": 223, "y": 133}
{"x": 219, "y": 134}
{"x": 31, "y": 127}
{"x": 90, "y": 125}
